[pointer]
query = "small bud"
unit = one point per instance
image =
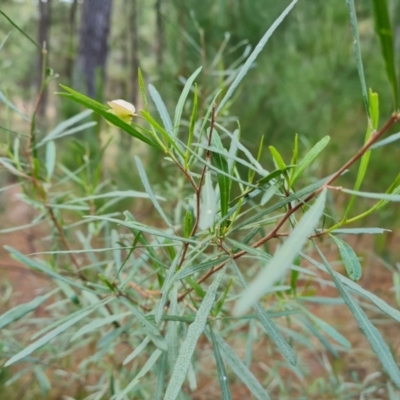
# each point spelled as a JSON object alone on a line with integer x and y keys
{"x": 122, "y": 109}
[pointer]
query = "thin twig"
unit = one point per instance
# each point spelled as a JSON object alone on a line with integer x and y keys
{"x": 274, "y": 233}
{"x": 199, "y": 187}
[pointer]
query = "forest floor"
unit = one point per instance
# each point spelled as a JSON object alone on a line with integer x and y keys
{"x": 360, "y": 363}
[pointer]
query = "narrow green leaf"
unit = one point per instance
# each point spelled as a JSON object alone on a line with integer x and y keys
{"x": 371, "y": 333}
{"x": 50, "y": 159}
{"x": 122, "y": 194}
{"x": 323, "y": 340}
{"x": 295, "y": 155}
{"x": 39, "y": 266}
{"x": 231, "y": 159}
{"x": 388, "y": 140}
{"x": 168, "y": 138}
{"x": 3, "y": 42}
{"x": 357, "y": 52}
{"x": 385, "y": 33}
{"x": 182, "y": 100}
{"x": 137, "y": 350}
{"x": 142, "y": 87}
{"x": 149, "y": 191}
{"x": 97, "y": 323}
{"x": 259, "y": 154}
{"x": 188, "y": 346}
{"x": 162, "y": 109}
{"x": 12, "y": 107}
{"x": 54, "y": 333}
{"x": 249, "y": 62}
{"x": 380, "y": 196}
{"x": 382, "y": 305}
{"x": 372, "y": 126}
{"x": 309, "y": 158}
{"x": 269, "y": 193}
{"x": 20, "y": 29}
{"x": 7, "y": 164}
{"x": 219, "y": 171}
{"x": 297, "y": 196}
{"x": 188, "y": 222}
{"x": 240, "y": 369}
{"x": 192, "y": 125}
{"x": 283, "y": 258}
{"x": 350, "y": 260}
{"x": 21, "y": 310}
{"x": 222, "y": 375}
{"x": 329, "y": 330}
{"x": 278, "y": 160}
{"x": 244, "y": 149}
{"x": 169, "y": 280}
{"x": 151, "y": 329}
{"x": 161, "y": 372}
{"x": 105, "y": 280}
{"x": 143, "y": 228}
{"x": 196, "y": 287}
{"x": 269, "y": 326}
{"x": 102, "y": 110}
{"x": 62, "y": 130}
{"x": 233, "y": 149}
{"x": 223, "y": 181}
{"x": 172, "y": 337}
{"x": 193, "y": 269}
{"x": 145, "y": 369}
{"x": 359, "y": 231}
{"x": 43, "y": 380}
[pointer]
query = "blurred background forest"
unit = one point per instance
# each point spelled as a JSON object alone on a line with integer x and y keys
{"x": 305, "y": 81}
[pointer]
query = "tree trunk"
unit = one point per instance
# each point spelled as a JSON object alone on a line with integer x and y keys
{"x": 93, "y": 36}
{"x": 44, "y": 30}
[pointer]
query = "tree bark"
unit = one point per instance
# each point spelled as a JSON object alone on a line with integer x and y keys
{"x": 93, "y": 46}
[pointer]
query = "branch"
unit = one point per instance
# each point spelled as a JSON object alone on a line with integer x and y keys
{"x": 274, "y": 233}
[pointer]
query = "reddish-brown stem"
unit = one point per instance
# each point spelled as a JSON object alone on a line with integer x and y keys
{"x": 198, "y": 188}
{"x": 274, "y": 233}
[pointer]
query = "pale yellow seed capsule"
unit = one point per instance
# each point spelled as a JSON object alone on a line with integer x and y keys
{"x": 122, "y": 109}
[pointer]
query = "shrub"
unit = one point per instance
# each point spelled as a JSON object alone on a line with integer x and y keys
{"x": 138, "y": 307}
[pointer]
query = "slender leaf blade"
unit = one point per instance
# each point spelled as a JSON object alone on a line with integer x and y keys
{"x": 188, "y": 346}
{"x": 21, "y": 310}
{"x": 161, "y": 108}
{"x": 309, "y": 158}
{"x": 283, "y": 258}
{"x": 357, "y": 52}
{"x": 54, "y": 333}
{"x": 349, "y": 257}
{"x": 182, "y": 100}
{"x": 222, "y": 375}
{"x": 371, "y": 333}
{"x": 385, "y": 33}
{"x": 240, "y": 369}
{"x": 249, "y": 62}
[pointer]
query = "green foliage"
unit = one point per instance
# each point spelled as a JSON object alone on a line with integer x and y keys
{"x": 135, "y": 302}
